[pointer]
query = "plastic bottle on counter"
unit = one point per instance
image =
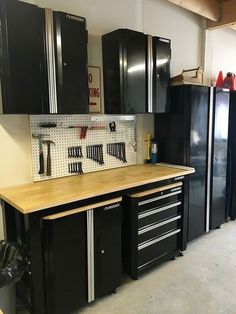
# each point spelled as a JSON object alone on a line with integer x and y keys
{"x": 154, "y": 156}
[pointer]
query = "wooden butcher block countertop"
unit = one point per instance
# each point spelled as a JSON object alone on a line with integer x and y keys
{"x": 29, "y": 198}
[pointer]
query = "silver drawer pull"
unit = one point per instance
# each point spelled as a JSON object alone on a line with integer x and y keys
{"x": 149, "y": 243}
{"x": 150, "y": 200}
{"x": 155, "y": 226}
{"x": 158, "y": 210}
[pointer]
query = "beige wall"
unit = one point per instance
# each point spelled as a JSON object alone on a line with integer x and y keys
{"x": 220, "y": 53}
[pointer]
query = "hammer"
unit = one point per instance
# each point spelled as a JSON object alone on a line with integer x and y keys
{"x": 41, "y": 158}
{"x": 49, "y": 162}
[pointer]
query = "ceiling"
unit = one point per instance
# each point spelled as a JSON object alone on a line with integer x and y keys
{"x": 219, "y": 13}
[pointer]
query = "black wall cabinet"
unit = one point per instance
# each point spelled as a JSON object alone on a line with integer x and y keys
{"x": 43, "y": 60}
{"x": 23, "y": 61}
{"x": 136, "y": 70}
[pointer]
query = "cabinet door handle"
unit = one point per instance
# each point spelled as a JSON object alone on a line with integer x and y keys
{"x": 155, "y": 226}
{"x": 149, "y": 243}
{"x": 157, "y": 210}
{"x": 150, "y": 200}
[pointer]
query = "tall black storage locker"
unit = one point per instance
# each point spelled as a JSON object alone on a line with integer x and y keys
{"x": 182, "y": 135}
{"x": 22, "y": 58}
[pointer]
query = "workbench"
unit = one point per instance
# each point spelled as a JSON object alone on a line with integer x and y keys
{"x": 51, "y": 218}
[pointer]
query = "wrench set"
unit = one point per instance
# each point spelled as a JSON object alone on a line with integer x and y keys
{"x": 75, "y": 152}
{"x": 75, "y": 167}
{"x": 95, "y": 152}
{"x": 117, "y": 150}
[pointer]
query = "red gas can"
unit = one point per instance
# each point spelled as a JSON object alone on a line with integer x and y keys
{"x": 230, "y": 81}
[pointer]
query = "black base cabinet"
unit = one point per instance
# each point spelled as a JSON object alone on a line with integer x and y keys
{"x": 152, "y": 228}
{"x": 65, "y": 263}
{"x": 82, "y": 256}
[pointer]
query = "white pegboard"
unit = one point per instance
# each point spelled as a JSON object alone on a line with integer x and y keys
{"x": 65, "y": 137}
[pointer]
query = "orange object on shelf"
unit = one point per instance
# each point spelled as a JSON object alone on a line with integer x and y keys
{"x": 220, "y": 80}
{"x": 230, "y": 81}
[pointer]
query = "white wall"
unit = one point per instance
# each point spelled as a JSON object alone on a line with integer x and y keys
{"x": 157, "y": 17}
{"x": 220, "y": 53}
{"x": 15, "y": 156}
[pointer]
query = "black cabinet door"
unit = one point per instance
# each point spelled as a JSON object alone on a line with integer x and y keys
{"x": 124, "y": 68}
{"x": 198, "y": 160}
{"x": 65, "y": 263}
{"x": 219, "y": 158}
{"x": 107, "y": 233}
{"x": 23, "y": 65}
{"x": 231, "y": 175}
{"x": 71, "y": 63}
{"x": 161, "y": 73}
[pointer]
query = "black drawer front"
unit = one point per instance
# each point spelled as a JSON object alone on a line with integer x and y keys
{"x": 158, "y": 249}
{"x": 159, "y": 214}
{"x": 156, "y": 230}
{"x": 158, "y": 201}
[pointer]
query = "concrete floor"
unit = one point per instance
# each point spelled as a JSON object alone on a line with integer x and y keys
{"x": 201, "y": 282}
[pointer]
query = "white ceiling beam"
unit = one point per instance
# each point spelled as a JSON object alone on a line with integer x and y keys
{"x": 227, "y": 17}
{"x": 207, "y": 8}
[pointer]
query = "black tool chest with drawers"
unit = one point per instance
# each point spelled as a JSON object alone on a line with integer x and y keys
{"x": 152, "y": 227}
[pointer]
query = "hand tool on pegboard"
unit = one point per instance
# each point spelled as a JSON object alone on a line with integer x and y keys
{"x": 75, "y": 152}
{"x": 95, "y": 152}
{"x": 49, "y": 160}
{"x": 47, "y": 125}
{"x": 75, "y": 167}
{"x": 41, "y": 157}
{"x": 112, "y": 126}
{"x": 117, "y": 150}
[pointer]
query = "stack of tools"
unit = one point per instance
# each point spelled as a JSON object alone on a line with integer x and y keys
{"x": 75, "y": 152}
{"x": 75, "y": 167}
{"x": 95, "y": 152}
{"x": 117, "y": 150}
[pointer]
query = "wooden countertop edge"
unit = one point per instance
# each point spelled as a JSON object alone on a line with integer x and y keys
{"x": 102, "y": 191}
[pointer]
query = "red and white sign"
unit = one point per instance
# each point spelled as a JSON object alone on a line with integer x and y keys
{"x": 94, "y": 89}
